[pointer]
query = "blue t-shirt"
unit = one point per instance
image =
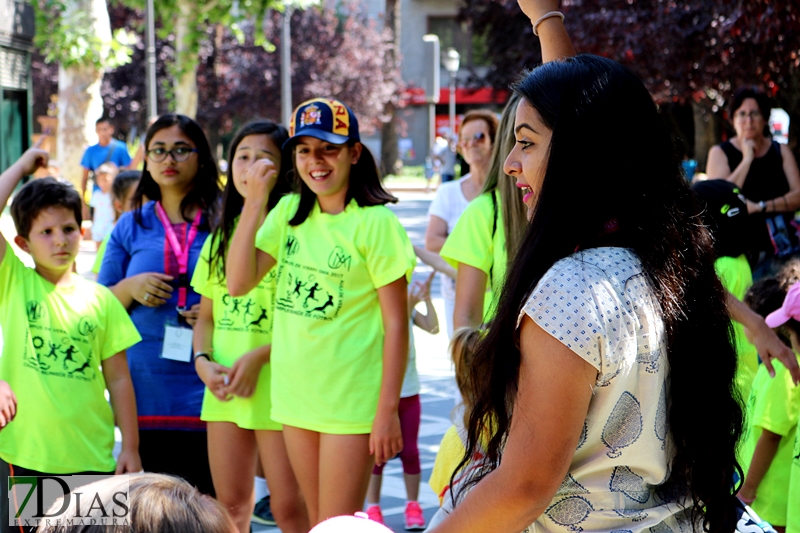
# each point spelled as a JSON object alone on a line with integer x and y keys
{"x": 168, "y": 393}
{"x": 96, "y": 155}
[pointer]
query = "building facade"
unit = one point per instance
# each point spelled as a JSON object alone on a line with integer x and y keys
{"x": 17, "y": 25}
{"x": 438, "y": 17}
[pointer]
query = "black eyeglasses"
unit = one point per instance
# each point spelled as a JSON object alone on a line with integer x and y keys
{"x": 179, "y": 154}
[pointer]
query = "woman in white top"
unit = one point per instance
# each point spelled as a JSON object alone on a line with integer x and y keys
{"x": 476, "y": 138}
{"x": 603, "y": 391}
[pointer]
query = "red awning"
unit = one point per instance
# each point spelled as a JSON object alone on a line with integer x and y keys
{"x": 482, "y": 95}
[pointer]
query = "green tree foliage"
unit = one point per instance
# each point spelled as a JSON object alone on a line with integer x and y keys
{"x": 65, "y": 34}
{"x": 691, "y": 50}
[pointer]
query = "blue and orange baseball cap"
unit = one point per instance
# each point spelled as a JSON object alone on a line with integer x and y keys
{"x": 323, "y": 118}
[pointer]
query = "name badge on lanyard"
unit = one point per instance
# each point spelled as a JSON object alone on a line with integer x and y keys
{"x": 177, "y": 344}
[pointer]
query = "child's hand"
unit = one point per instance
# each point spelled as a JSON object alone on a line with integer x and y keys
{"x": 8, "y": 404}
{"x": 260, "y": 180}
{"x": 191, "y": 314}
{"x": 34, "y": 158}
{"x": 244, "y": 373}
{"x": 215, "y": 377}
{"x": 150, "y": 289}
{"x": 421, "y": 291}
{"x": 128, "y": 462}
{"x": 386, "y": 440}
{"x": 747, "y": 494}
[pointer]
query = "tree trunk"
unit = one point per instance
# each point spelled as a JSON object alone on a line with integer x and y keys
{"x": 185, "y": 78}
{"x": 79, "y": 100}
{"x": 705, "y": 133}
{"x": 390, "y": 163}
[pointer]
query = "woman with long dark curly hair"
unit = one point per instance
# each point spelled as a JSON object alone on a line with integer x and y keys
{"x": 612, "y": 336}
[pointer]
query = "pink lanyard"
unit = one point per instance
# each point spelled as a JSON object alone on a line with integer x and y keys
{"x": 181, "y": 254}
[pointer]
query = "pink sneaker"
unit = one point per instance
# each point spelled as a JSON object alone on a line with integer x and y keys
{"x": 414, "y": 519}
{"x": 374, "y": 513}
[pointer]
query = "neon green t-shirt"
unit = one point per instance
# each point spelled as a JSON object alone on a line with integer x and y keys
{"x": 774, "y": 405}
{"x": 736, "y": 277}
{"x": 240, "y": 325}
{"x": 101, "y": 252}
{"x": 52, "y": 362}
{"x": 327, "y": 342}
{"x": 473, "y": 244}
{"x": 793, "y": 510}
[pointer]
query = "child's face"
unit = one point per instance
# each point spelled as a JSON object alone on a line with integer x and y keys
{"x": 54, "y": 239}
{"x": 251, "y": 149}
{"x": 125, "y": 205}
{"x": 325, "y": 167}
{"x": 104, "y": 180}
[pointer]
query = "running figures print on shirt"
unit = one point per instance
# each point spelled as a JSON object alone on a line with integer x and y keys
{"x": 54, "y": 351}
{"x": 246, "y": 313}
{"x": 327, "y": 313}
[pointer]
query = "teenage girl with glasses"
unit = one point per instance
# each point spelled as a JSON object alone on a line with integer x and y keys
{"x": 149, "y": 261}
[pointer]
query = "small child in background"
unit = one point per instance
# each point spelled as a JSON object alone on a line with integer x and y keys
{"x": 772, "y": 409}
{"x": 452, "y": 447}
{"x": 410, "y": 412}
{"x": 104, "y": 216}
{"x": 122, "y": 189}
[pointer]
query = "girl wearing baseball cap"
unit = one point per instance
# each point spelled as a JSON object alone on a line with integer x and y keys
{"x": 340, "y": 336}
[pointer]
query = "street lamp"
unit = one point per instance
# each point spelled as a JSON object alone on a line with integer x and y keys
{"x": 432, "y": 85}
{"x": 452, "y": 60}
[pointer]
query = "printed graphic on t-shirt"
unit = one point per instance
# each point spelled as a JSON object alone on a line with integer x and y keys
{"x": 244, "y": 314}
{"x": 309, "y": 291}
{"x": 57, "y": 352}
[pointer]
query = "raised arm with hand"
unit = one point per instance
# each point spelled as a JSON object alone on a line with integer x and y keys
{"x": 767, "y": 343}
{"x": 553, "y": 36}
{"x": 246, "y": 264}
{"x": 32, "y": 159}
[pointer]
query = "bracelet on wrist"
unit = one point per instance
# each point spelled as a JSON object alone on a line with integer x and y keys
{"x": 545, "y": 17}
{"x": 203, "y": 355}
{"x": 762, "y": 205}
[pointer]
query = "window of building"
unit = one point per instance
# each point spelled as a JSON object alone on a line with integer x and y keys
{"x": 459, "y": 35}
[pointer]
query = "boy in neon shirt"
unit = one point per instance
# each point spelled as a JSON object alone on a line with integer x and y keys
{"x": 67, "y": 347}
{"x": 772, "y": 410}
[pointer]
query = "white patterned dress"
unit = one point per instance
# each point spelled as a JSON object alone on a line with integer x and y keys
{"x": 600, "y": 304}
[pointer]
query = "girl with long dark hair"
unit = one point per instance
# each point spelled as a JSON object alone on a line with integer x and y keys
{"x": 148, "y": 264}
{"x": 340, "y": 339}
{"x": 232, "y": 342}
{"x": 612, "y": 329}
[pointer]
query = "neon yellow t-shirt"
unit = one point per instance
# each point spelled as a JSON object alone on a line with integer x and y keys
{"x": 793, "y": 509}
{"x": 52, "y": 362}
{"x": 240, "y": 325}
{"x": 327, "y": 342}
{"x": 736, "y": 277}
{"x": 451, "y": 451}
{"x": 774, "y": 405}
{"x": 101, "y": 252}
{"x": 472, "y": 243}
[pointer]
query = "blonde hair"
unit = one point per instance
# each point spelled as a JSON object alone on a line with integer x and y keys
{"x": 108, "y": 168}
{"x": 513, "y": 211}
{"x": 157, "y": 503}
{"x": 462, "y": 352}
